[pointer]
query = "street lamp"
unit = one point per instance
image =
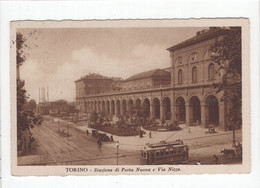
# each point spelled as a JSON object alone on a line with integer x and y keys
{"x": 58, "y": 125}
{"x": 117, "y": 147}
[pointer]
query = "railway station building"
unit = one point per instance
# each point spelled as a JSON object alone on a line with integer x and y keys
{"x": 182, "y": 92}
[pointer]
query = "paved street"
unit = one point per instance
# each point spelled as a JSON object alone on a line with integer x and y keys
{"x": 55, "y": 148}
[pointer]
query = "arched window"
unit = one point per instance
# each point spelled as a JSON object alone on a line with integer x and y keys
{"x": 193, "y": 56}
{"x": 178, "y": 61}
{"x": 194, "y": 74}
{"x": 180, "y": 77}
{"x": 211, "y": 72}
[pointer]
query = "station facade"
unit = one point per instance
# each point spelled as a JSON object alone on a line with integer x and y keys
{"x": 183, "y": 92}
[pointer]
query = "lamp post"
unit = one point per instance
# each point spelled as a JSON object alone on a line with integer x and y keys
{"x": 58, "y": 125}
{"x": 117, "y": 147}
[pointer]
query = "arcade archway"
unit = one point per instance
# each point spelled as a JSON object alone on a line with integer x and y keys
{"x": 156, "y": 108}
{"x": 146, "y": 107}
{"x": 124, "y": 107}
{"x": 195, "y": 110}
{"x": 103, "y": 107}
{"x": 130, "y": 107}
{"x": 108, "y": 108}
{"x": 180, "y": 110}
{"x": 113, "y": 107}
{"x": 212, "y": 110}
{"x": 167, "y": 108}
{"x": 118, "y": 109}
{"x": 138, "y": 106}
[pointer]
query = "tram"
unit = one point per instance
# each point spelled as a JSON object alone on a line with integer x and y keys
{"x": 175, "y": 152}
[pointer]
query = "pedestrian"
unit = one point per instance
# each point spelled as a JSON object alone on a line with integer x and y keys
{"x": 87, "y": 131}
{"x": 215, "y": 159}
{"x": 111, "y": 138}
{"x": 188, "y": 128}
{"x": 100, "y": 143}
{"x": 141, "y": 134}
{"x": 150, "y": 134}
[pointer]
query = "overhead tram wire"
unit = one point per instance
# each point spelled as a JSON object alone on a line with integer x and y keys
{"x": 172, "y": 135}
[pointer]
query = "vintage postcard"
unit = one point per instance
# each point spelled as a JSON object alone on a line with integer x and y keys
{"x": 121, "y": 97}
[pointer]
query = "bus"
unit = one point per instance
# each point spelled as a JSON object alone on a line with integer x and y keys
{"x": 174, "y": 152}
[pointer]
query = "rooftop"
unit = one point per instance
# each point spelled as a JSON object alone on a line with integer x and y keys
{"x": 200, "y": 36}
{"x": 94, "y": 76}
{"x": 150, "y": 73}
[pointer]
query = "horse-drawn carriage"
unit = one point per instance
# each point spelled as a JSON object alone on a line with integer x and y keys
{"x": 236, "y": 152}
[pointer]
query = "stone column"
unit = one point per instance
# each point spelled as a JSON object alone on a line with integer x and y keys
{"x": 86, "y": 106}
{"x": 222, "y": 118}
{"x": 162, "y": 112}
{"x": 177, "y": 112}
{"x": 121, "y": 107}
{"x": 204, "y": 115}
{"x": 104, "y": 108}
{"x": 152, "y": 110}
{"x": 116, "y": 109}
{"x": 111, "y": 109}
{"x": 173, "y": 111}
{"x": 108, "y": 108}
{"x": 127, "y": 107}
{"x": 189, "y": 114}
{"x": 98, "y": 107}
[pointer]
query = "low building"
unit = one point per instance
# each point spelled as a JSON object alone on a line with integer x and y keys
{"x": 146, "y": 80}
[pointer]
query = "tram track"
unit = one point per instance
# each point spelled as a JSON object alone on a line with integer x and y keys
{"x": 71, "y": 162}
{"x": 62, "y": 150}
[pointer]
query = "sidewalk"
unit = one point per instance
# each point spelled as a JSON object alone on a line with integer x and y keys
{"x": 133, "y": 143}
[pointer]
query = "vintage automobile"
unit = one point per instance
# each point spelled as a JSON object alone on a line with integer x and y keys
{"x": 94, "y": 133}
{"x": 103, "y": 137}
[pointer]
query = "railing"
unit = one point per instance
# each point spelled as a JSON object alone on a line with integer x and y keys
{"x": 128, "y": 90}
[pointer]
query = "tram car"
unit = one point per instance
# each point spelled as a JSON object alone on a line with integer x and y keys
{"x": 175, "y": 152}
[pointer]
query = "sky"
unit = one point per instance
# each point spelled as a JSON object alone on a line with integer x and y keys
{"x": 56, "y": 57}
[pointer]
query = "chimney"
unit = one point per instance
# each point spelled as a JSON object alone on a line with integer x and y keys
{"x": 48, "y": 94}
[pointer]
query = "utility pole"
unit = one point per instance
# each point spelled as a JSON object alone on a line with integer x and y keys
{"x": 117, "y": 153}
{"x": 234, "y": 129}
{"x": 58, "y": 125}
{"x": 48, "y": 94}
{"x": 39, "y": 95}
{"x": 67, "y": 126}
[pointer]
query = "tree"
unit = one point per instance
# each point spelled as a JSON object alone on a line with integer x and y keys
{"x": 22, "y": 116}
{"x": 226, "y": 54}
{"x": 30, "y": 105}
{"x": 94, "y": 117}
{"x": 25, "y": 118}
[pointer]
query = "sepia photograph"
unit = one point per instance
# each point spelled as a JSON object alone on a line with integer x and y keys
{"x": 145, "y": 96}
